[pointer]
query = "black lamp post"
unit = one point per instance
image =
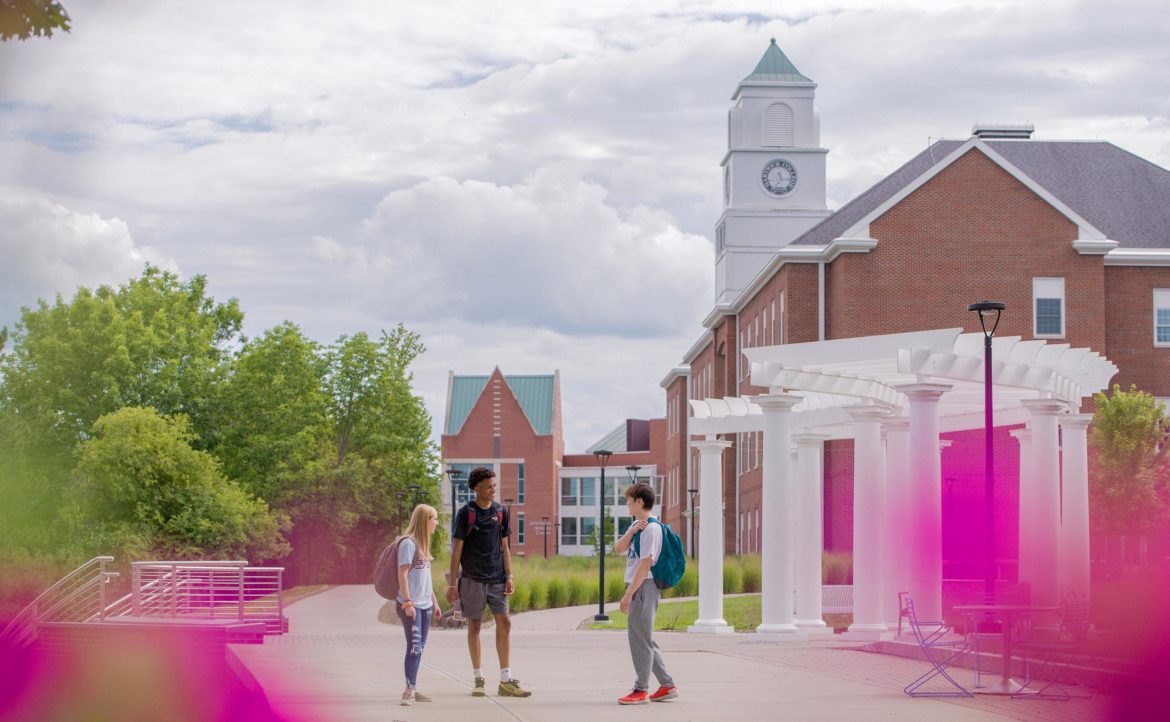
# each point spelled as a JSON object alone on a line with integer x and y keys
{"x": 414, "y": 489}
{"x": 989, "y": 313}
{"x": 454, "y": 475}
{"x": 692, "y": 492}
{"x": 602, "y": 457}
{"x": 544, "y": 528}
{"x": 508, "y": 506}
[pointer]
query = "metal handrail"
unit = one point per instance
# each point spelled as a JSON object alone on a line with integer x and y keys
{"x": 23, "y": 628}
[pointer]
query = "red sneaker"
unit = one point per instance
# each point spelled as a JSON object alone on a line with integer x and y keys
{"x": 638, "y": 696}
{"x": 664, "y": 693}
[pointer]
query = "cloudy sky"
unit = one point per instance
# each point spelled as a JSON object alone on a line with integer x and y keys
{"x": 528, "y": 184}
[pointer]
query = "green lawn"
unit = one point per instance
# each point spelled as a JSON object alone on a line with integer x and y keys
{"x": 743, "y": 613}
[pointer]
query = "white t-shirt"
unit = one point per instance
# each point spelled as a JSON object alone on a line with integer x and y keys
{"x": 418, "y": 577}
{"x": 650, "y": 545}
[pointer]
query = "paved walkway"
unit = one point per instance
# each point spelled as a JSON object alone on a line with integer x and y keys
{"x": 339, "y": 664}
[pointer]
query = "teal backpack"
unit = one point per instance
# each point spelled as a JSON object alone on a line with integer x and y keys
{"x": 672, "y": 562}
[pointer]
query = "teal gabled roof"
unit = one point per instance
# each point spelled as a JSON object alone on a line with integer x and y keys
{"x": 614, "y": 441}
{"x": 535, "y": 394}
{"x": 775, "y": 67}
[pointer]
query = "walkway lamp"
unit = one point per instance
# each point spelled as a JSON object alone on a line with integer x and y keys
{"x": 414, "y": 489}
{"x": 508, "y": 506}
{"x": 989, "y": 313}
{"x": 454, "y": 475}
{"x": 692, "y": 492}
{"x": 545, "y": 527}
{"x": 602, "y": 457}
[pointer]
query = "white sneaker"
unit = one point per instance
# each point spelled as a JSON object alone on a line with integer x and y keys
{"x": 408, "y": 698}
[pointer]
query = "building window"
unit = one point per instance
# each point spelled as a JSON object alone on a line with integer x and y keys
{"x": 623, "y": 524}
{"x": 588, "y": 491}
{"x": 1048, "y": 307}
{"x": 569, "y": 491}
{"x": 720, "y": 239}
{"x": 462, "y": 493}
{"x": 520, "y": 528}
{"x": 780, "y": 333}
{"x": 520, "y": 485}
{"x": 778, "y": 125}
{"x": 588, "y": 525}
{"x": 1162, "y": 316}
{"x": 569, "y": 531}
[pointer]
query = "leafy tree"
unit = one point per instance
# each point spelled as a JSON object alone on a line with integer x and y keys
{"x": 1128, "y": 477}
{"x": 24, "y": 19}
{"x": 346, "y": 505}
{"x": 141, "y": 489}
{"x": 154, "y": 341}
{"x": 592, "y": 540}
{"x": 273, "y": 416}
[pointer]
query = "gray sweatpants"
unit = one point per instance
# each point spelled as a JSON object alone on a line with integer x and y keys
{"x": 643, "y": 649}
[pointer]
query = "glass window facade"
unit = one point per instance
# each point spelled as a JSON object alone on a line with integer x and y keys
{"x": 520, "y": 483}
{"x": 569, "y": 491}
{"x": 520, "y": 528}
{"x": 569, "y": 531}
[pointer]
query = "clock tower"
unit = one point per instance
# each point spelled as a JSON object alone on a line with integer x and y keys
{"x": 773, "y": 172}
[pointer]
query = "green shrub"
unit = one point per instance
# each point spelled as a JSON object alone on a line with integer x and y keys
{"x": 836, "y": 568}
{"x": 615, "y": 587}
{"x": 688, "y": 586}
{"x": 751, "y": 575}
{"x": 538, "y": 590}
{"x": 578, "y": 591}
{"x": 521, "y": 598}
{"x": 732, "y": 578}
{"x": 558, "y": 593}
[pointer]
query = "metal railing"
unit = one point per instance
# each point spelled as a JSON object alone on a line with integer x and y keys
{"x": 214, "y": 590}
{"x": 79, "y": 596}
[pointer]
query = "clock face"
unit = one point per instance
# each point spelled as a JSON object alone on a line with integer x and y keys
{"x": 779, "y": 177}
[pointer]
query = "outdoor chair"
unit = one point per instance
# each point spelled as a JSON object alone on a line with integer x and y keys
{"x": 942, "y": 651}
{"x": 1053, "y": 658}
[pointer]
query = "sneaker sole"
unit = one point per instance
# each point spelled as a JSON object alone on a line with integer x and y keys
{"x": 663, "y": 698}
{"x": 478, "y": 693}
{"x": 502, "y": 693}
{"x": 642, "y": 701}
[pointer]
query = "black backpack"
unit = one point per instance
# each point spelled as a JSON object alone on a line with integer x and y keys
{"x": 386, "y": 570}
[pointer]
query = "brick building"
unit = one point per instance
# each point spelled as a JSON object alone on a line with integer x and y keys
{"x": 513, "y": 425}
{"x": 1073, "y": 235}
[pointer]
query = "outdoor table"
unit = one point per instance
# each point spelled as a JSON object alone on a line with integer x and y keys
{"x": 1005, "y": 613}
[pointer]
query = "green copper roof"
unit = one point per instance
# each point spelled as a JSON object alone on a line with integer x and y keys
{"x": 535, "y": 394}
{"x": 775, "y": 67}
{"x": 614, "y": 441}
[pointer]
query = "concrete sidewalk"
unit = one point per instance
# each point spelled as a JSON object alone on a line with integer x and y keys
{"x": 339, "y": 664}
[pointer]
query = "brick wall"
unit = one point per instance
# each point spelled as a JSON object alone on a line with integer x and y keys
{"x": 1129, "y": 325}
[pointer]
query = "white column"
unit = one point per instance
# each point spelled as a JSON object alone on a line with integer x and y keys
{"x": 1074, "y": 495}
{"x": 809, "y": 532}
{"x": 1028, "y": 556}
{"x": 1043, "y": 526}
{"x": 869, "y": 465}
{"x": 776, "y": 517}
{"x": 711, "y": 619}
{"x": 923, "y": 520}
{"x": 894, "y": 575}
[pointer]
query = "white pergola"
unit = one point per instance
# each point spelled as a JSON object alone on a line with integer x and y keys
{"x": 893, "y": 395}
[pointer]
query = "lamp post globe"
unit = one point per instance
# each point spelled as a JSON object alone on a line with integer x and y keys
{"x": 989, "y": 314}
{"x": 602, "y": 457}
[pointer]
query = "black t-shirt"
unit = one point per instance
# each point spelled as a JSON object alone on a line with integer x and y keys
{"x": 483, "y": 557}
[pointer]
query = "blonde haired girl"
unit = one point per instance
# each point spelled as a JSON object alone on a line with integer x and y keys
{"x": 416, "y": 604}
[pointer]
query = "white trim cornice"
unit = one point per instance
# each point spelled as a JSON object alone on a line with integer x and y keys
{"x": 678, "y": 372}
{"x": 697, "y": 348}
{"x": 1093, "y": 247}
{"x": 1138, "y": 257}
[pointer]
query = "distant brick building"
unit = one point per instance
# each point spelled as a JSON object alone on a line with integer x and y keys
{"x": 513, "y": 425}
{"x": 1073, "y": 236}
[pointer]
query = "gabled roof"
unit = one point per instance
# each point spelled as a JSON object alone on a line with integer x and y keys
{"x": 775, "y": 67}
{"x": 614, "y": 441}
{"x": 535, "y": 395}
{"x": 1123, "y": 196}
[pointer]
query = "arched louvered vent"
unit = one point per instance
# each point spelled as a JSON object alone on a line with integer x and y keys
{"x": 778, "y": 125}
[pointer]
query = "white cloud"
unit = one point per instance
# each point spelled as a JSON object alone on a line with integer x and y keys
{"x": 549, "y": 253}
{"x": 48, "y": 249}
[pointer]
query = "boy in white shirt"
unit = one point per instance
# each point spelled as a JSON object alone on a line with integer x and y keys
{"x": 640, "y": 601}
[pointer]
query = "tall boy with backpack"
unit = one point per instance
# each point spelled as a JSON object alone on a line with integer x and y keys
{"x": 654, "y": 561}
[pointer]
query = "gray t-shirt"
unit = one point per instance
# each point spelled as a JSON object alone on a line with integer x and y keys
{"x": 418, "y": 577}
{"x": 650, "y": 546}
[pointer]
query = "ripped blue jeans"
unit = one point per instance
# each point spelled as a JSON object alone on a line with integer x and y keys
{"x": 416, "y": 638}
